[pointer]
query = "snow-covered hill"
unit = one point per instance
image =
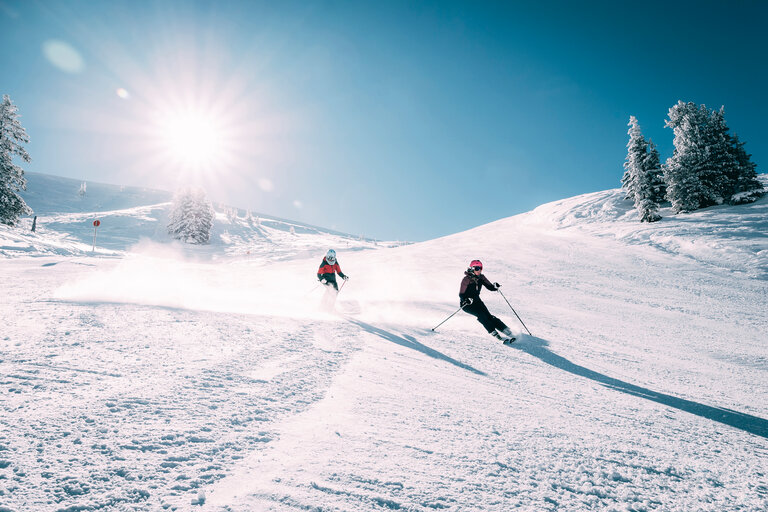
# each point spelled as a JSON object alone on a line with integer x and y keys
{"x": 157, "y": 379}
{"x": 727, "y": 237}
{"x": 129, "y": 215}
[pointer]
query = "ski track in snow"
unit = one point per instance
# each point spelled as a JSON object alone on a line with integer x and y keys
{"x": 201, "y": 381}
{"x": 109, "y": 411}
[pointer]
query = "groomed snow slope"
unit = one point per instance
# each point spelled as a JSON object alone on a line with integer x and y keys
{"x": 160, "y": 380}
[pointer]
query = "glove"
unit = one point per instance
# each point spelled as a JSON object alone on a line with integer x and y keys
{"x": 466, "y": 302}
{"x": 497, "y": 285}
{"x": 345, "y": 277}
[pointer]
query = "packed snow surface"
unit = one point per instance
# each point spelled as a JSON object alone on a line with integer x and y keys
{"x": 149, "y": 375}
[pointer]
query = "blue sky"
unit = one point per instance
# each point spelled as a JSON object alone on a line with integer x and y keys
{"x": 397, "y": 120}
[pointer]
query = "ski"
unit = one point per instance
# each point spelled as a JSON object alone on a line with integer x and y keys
{"x": 506, "y": 340}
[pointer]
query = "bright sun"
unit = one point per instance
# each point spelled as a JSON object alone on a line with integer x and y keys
{"x": 193, "y": 139}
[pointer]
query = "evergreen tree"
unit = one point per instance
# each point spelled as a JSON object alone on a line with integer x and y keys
{"x": 684, "y": 170}
{"x": 709, "y": 165}
{"x": 12, "y": 136}
{"x": 192, "y": 217}
{"x": 721, "y": 170}
{"x": 635, "y": 154}
{"x": 655, "y": 171}
{"x": 641, "y": 173}
{"x": 746, "y": 188}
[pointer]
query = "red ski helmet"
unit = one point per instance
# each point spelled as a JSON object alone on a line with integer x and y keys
{"x": 476, "y": 263}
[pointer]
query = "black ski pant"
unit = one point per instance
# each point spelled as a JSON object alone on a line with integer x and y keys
{"x": 490, "y": 322}
{"x": 330, "y": 281}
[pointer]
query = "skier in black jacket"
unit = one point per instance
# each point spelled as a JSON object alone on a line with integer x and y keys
{"x": 469, "y": 294}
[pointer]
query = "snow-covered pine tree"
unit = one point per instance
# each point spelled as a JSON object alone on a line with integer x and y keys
{"x": 721, "y": 170}
{"x": 191, "y": 217}
{"x": 636, "y": 148}
{"x": 684, "y": 169}
{"x": 655, "y": 173}
{"x": 738, "y": 181}
{"x": 709, "y": 165}
{"x": 12, "y": 137}
{"x": 641, "y": 173}
{"x": 746, "y": 187}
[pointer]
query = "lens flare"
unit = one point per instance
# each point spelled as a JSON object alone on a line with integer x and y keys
{"x": 193, "y": 139}
{"x": 64, "y": 56}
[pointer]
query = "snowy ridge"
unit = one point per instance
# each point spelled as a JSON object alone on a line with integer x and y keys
{"x": 168, "y": 377}
{"x": 735, "y": 238}
{"x": 130, "y": 214}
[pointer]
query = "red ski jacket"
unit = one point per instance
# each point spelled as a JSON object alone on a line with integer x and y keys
{"x": 327, "y": 270}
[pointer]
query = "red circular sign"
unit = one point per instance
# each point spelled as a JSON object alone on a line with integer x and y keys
{"x": 96, "y": 223}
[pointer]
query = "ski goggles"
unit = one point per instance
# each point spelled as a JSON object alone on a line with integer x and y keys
{"x": 477, "y": 267}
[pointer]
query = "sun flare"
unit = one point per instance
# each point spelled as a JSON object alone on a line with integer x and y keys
{"x": 193, "y": 139}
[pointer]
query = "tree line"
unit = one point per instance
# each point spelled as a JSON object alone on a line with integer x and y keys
{"x": 709, "y": 165}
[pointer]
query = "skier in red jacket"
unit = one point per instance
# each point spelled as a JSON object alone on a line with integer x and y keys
{"x": 329, "y": 267}
{"x": 326, "y": 274}
{"x": 469, "y": 294}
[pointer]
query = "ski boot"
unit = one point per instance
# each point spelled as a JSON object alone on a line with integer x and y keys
{"x": 506, "y": 332}
{"x": 505, "y": 336}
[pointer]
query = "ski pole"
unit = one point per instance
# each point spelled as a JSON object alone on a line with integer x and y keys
{"x": 515, "y": 312}
{"x": 313, "y": 289}
{"x": 342, "y": 286}
{"x": 441, "y": 323}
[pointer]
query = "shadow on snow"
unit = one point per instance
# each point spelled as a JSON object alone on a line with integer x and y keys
{"x": 410, "y": 342}
{"x": 742, "y": 421}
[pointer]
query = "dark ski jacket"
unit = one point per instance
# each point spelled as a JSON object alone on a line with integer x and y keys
{"x": 328, "y": 271}
{"x": 471, "y": 285}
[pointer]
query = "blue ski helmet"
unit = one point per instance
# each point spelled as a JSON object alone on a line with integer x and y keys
{"x": 330, "y": 256}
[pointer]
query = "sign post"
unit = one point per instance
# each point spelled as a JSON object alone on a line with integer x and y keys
{"x": 96, "y": 224}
